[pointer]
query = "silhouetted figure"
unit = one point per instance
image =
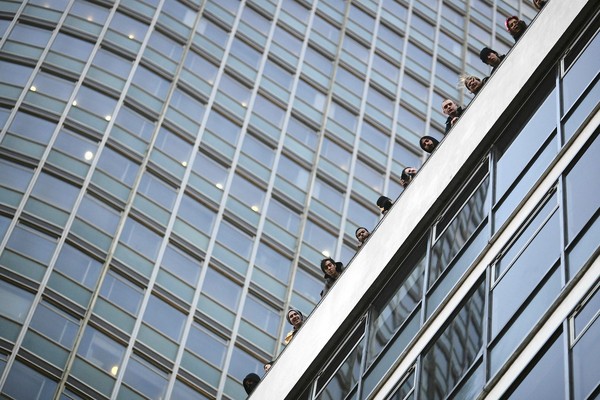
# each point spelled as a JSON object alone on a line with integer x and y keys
{"x": 296, "y": 319}
{"x": 332, "y": 271}
{"x": 362, "y": 234}
{"x": 250, "y": 382}
{"x": 491, "y": 58}
{"x": 539, "y": 4}
{"x": 428, "y": 143}
{"x": 453, "y": 111}
{"x": 384, "y": 204}
{"x": 515, "y": 27}
{"x": 408, "y": 174}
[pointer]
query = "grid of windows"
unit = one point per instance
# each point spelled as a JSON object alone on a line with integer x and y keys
{"x": 155, "y": 153}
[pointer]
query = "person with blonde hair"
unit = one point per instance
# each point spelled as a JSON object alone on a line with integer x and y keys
{"x": 473, "y": 83}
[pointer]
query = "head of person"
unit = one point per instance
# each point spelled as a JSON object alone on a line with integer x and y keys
{"x": 514, "y": 25}
{"x": 268, "y": 366}
{"x": 295, "y": 318}
{"x": 331, "y": 268}
{"x": 362, "y": 234}
{"x": 428, "y": 143}
{"x": 449, "y": 108}
{"x": 472, "y": 83}
{"x": 539, "y": 4}
{"x": 407, "y": 175}
{"x": 490, "y": 57}
{"x": 384, "y": 204}
{"x": 250, "y": 382}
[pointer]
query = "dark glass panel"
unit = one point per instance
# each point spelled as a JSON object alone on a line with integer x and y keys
{"x": 525, "y": 182}
{"x": 25, "y": 383}
{"x": 525, "y": 273}
{"x": 342, "y": 373}
{"x": 516, "y": 152}
{"x": 457, "y": 268}
{"x": 587, "y": 313}
{"x": 405, "y": 388}
{"x": 455, "y": 351}
{"x": 581, "y": 73}
{"x": 508, "y": 255}
{"x": 582, "y": 191}
{"x": 586, "y": 353}
{"x": 398, "y": 300}
{"x": 546, "y": 378}
{"x": 459, "y": 231}
{"x": 584, "y": 247}
{"x": 582, "y": 111}
{"x": 505, "y": 344}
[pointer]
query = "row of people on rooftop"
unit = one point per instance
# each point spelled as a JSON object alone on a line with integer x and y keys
{"x": 332, "y": 269}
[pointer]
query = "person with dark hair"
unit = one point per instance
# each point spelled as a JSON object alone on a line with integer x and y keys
{"x": 332, "y": 271}
{"x": 250, "y": 382}
{"x": 473, "y": 83}
{"x": 453, "y": 111}
{"x": 428, "y": 143}
{"x": 384, "y": 204}
{"x": 515, "y": 26}
{"x": 268, "y": 366}
{"x": 296, "y": 319}
{"x": 491, "y": 58}
{"x": 539, "y": 4}
{"x": 408, "y": 174}
{"x": 362, "y": 234}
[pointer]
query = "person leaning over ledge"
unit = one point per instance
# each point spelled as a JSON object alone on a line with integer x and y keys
{"x": 332, "y": 271}
{"x": 428, "y": 143}
{"x": 539, "y": 4}
{"x": 362, "y": 234}
{"x": 384, "y": 203}
{"x": 407, "y": 176}
{"x": 250, "y": 381}
{"x": 453, "y": 111}
{"x": 491, "y": 58}
{"x": 515, "y": 27}
{"x": 473, "y": 83}
{"x": 296, "y": 319}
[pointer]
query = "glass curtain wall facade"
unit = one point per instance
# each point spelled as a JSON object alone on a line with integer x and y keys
{"x": 537, "y": 177}
{"x": 172, "y": 172}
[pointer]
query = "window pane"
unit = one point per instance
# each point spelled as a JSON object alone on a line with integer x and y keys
{"x": 117, "y": 291}
{"x": 583, "y": 193}
{"x": 164, "y": 318}
{"x": 145, "y": 379}
{"x": 525, "y": 273}
{"x": 442, "y": 369}
{"x": 546, "y": 379}
{"x": 14, "y": 302}
{"x": 54, "y": 324}
{"x": 586, "y": 353}
{"x": 207, "y": 345}
{"x": 25, "y": 383}
{"x": 531, "y": 137}
{"x": 101, "y": 351}
{"x": 221, "y": 289}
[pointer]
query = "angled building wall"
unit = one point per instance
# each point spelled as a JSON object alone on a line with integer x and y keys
{"x": 172, "y": 172}
{"x": 482, "y": 280}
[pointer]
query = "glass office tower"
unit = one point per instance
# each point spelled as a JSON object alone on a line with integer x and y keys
{"x": 172, "y": 172}
{"x": 483, "y": 280}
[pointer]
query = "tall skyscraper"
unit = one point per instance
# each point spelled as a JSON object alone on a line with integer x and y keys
{"x": 172, "y": 173}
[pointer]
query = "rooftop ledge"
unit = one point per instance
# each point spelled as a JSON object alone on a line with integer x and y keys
{"x": 464, "y": 144}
